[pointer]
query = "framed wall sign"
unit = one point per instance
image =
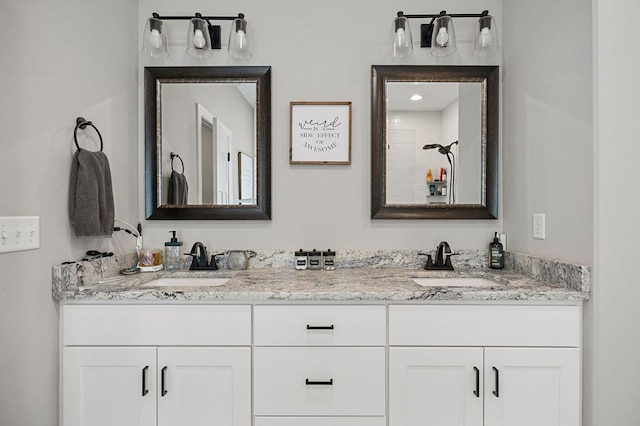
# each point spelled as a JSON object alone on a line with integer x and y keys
{"x": 320, "y": 133}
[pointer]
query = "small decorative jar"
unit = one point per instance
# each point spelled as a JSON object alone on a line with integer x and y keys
{"x": 328, "y": 260}
{"x": 301, "y": 260}
{"x": 315, "y": 260}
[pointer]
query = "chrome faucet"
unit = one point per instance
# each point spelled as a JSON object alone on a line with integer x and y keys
{"x": 199, "y": 258}
{"x": 443, "y": 258}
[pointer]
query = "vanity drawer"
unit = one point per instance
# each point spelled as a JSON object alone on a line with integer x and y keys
{"x": 482, "y": 325}
{"x": 320, "y": 421}
{"x": 319, "y": 381}
{"x": 156, "y": 325}
{"x": 311, "y": 325}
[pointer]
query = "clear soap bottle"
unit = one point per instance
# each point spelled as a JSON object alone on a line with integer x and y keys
{"x": 173, "y": 253}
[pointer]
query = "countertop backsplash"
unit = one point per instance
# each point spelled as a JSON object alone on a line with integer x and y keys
{"x": 556, "y": 273}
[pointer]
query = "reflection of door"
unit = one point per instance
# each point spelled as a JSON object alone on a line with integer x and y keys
{"x": 213, "y": 141}
{"x": 208, "y": 183}
{"x": 223, "y": 162}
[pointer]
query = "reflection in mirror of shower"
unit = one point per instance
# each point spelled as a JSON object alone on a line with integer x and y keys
{"x": 407, "y": 165}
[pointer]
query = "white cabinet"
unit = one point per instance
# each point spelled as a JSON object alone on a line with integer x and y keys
{"x": 435, "y": 386}
{"x": 109, "y": 386}
{"x": 106, "y": 380}
{"x": 471, "y": 385}
{"x": 319, "y": 365}
{"x": 491, "y": 386}
{"x": 532, "y": 386}
{"x": 204, "y": 386}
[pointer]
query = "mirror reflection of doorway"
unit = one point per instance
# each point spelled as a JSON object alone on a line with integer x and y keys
{"x": 214, "y": 141}
{"x": 207, "y": 178}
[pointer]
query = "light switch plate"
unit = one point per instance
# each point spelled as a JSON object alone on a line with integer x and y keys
{"x": 19, "y": 233}
{"x": 538, "y": 226}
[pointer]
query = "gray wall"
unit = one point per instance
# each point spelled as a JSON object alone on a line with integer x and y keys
{"x": 547, "y": 127}
{"x": 59, "y": 60}
{"x": 311, "y": 63}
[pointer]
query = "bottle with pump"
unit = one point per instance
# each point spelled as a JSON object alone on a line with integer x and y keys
{"x": 496, "y": 253}
{"x": 173, "y": 253}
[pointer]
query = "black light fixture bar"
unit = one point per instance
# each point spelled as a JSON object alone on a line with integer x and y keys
{"x": 198, "y": 15}
{"x": 426, "y": 30}
{"x": 215, "y": 31}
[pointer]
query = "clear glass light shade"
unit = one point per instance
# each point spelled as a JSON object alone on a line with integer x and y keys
{"x": 402, "y": 40}
{"x": 154, "y": 39}
{"x": 486, "y": 37}
{"x": 443, "y": 39}
{"x": 239, "y": 43}
{"x": 199, "y": 41}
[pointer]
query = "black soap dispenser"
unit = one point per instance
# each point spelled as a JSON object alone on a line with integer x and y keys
{"x": 496, "y": 253}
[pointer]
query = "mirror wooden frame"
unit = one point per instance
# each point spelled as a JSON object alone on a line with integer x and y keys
{"x": 488, "y": 76}
{"x": 154, "y": 77}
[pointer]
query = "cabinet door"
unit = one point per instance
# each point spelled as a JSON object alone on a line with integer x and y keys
{"x": 109, "y": 386}
{"x": 204, "y": 386}
{"x": 435, "y": 386}
{"x": 532, "y": 386}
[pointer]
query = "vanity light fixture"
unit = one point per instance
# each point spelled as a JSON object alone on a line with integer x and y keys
{"x": 439, "y": 34}
{"x": 202, "y": 36}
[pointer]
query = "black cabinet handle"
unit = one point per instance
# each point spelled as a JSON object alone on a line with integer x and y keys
{"x": 144, "y": 381}
{"x": 476, "y": 392}
{"x": 496, "y": 392}
{"x": 163, "y": 389}
{"x": 314, "y": 383}
{"x": 319, "y": 327}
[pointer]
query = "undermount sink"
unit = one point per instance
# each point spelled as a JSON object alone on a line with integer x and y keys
{"x": 454, "y": 282}
{"x": 186, "y": 282}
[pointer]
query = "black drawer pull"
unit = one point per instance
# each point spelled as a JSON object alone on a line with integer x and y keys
{"x": 163, "y": 388}
{"x": 496, "y": 392}
{"x": 315, "y": 383}
{"x": 476, "y": 392}
{"x": 144, "y": 381}
{"x": 319, "y": 327}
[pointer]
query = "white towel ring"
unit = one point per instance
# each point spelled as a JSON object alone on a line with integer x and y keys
{"x": 174, "y": 155}
{"x": 82, "y": 123}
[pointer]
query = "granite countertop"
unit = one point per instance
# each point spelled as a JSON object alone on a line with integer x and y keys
{"x": 341, "y": 285}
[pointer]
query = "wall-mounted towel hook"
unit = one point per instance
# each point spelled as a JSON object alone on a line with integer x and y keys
{"x": 82, "y": 123}
{"x": 174, "y": 155}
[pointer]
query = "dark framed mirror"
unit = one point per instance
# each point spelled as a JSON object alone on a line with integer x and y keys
{"x": 207, "y": 143}
{"x": 434, "y": 142}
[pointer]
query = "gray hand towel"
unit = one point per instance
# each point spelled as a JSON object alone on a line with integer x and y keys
{"x": 178, "y": 189}
{"x": 91, "y": 208}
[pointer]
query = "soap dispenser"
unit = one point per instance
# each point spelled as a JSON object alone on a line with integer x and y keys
{"x": 496, "y": 253}
{"x": 173, "y": 253}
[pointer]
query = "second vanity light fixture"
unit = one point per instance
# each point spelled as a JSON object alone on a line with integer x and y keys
{"x": 201, "y": 38}
{"x": 440, "y": 36}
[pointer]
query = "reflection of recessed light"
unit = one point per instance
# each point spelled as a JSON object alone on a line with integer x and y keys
{"x": 416, "y": 97}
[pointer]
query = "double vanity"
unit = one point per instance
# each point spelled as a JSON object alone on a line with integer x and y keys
{"x": 350, "y": 347}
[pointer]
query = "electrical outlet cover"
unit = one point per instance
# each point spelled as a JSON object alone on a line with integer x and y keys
{"x": 538, "y": 226}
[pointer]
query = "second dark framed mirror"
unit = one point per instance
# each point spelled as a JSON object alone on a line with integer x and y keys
{"x": 434, "y": 142}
